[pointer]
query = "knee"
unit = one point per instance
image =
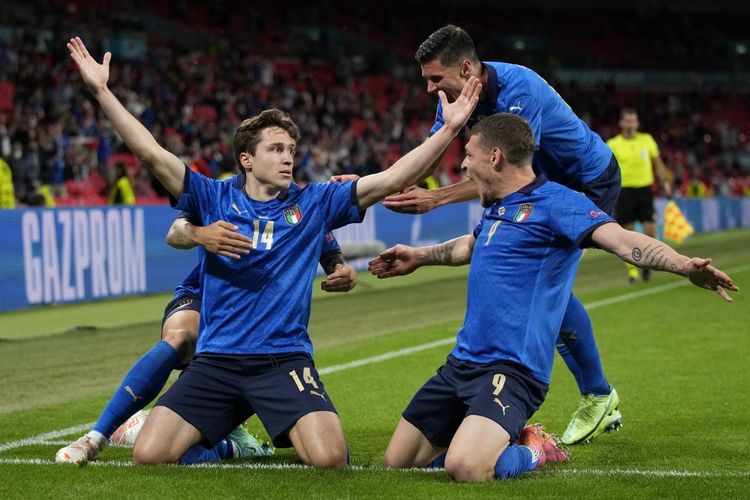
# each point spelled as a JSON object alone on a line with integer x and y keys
{"x": 179, "y": 338}
{"x": 336, "y": 458}
{"x": 395, "y": 460}
{"x": 145, "y": 454}
{"x": 466, "y": 469}
{"x": 182, "y": 340}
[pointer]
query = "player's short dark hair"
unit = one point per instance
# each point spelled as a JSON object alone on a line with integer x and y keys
{"x": 247, "y": 135}
{"x": 450, "y": 44}
{"x": 628, "y": 111}
{"x": 509, "y": 132}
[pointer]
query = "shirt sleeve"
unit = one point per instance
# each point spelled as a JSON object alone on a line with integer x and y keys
{"x": 330, "y": 245}
{"x": 576, "y": 219}
{"x": 198, "y": 196}
{"x": 525, "y": 106}
{"x": 340, "y": 204}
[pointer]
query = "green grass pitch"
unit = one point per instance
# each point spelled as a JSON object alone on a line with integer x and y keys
{"x": 677, "y": 355}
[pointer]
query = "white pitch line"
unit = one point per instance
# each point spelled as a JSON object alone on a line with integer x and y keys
{"x": 278, "y": 466}
{"x": 387, "y": 355}
{"x": 34, "y": 440}
{"x": 44, "y": 437}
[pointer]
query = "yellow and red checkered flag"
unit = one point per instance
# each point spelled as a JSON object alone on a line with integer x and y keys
{"x": 676, "y": 226}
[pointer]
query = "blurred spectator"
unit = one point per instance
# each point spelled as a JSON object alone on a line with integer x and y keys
{"x": 350, "y": 85}
{"x": 7, "y": 195}
{"x": 121, "y": 192}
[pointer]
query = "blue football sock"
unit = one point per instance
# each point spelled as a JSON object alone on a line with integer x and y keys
{"x": 438, "y": 463}
{"x": 139, "y": 387}
{"x": 514, "y": 461}
{"x": 578, "y": 349}
{"x": 199, "y": 453}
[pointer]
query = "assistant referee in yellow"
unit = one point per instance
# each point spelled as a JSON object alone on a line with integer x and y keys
{"x": 638, "y": 156}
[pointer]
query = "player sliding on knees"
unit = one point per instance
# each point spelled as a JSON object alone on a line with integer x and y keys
{"x": 254, "y": 354}
{"x": 148, "y": 376}
{"x": 524, "y": 254}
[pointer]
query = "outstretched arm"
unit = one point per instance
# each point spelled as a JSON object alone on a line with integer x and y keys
{"x": 648, "y": 253}
{"x": 416, "y": 164}
{"x": 166, "y": 167}
{"x": 220, "y": 238}
{"x": 420, "y": 201}
{"x": 401, "y": 259}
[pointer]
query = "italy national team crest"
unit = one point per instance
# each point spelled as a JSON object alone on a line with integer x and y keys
{"x": 524, "y": 211}
{"x": 293, "y": 214}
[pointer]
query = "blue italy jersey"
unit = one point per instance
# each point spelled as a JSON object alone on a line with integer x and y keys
{"x": 191, "y": 285}
{"x": 260, "y": 304}
{"x": 568, "y": 151}
{"x": 522, "y": 272}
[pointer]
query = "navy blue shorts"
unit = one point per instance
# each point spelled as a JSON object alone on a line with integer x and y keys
{"x": 217, "y": 393}
{"x": 185, "y": 302}
{"x": 503, "y": 392}
{"x": 605, "y": 189}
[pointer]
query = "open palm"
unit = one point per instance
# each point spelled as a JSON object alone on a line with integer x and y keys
{"x": 95, "y": 75}
{"x": 702, "y": 274}
{"x": 457, "y": 113}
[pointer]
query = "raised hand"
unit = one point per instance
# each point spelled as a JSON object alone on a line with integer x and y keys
{"x": 702, "y": 274}
{"x": 343, "y": 279}
{"x": 457, "y": 113}
{"x": 222, "y": 238}
{"x": 95, "y": 75}
{"x": 396, "y": 261}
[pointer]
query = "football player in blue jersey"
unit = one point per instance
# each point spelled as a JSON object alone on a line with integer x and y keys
{"x": 149, "y": 374}
{"x": 566, "y": 151}
{"x": 254, "y": 355}
{"x": 524, "y": 254}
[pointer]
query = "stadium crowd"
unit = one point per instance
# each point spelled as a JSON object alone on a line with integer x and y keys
{"x": 357, "y": 113}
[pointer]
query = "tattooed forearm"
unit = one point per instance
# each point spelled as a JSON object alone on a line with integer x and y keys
{"x": 436, "y": 254}
{"x": 455, "y": 252}
{"x": 655, "y": 256}
{"x": 330, "y": 260}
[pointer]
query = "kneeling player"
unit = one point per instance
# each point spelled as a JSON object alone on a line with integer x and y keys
{"x": 524, "y": 254}
{"x": 179, "y": 332}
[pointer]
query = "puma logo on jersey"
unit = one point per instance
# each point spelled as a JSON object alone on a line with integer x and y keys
{"x": 237, "y": 209}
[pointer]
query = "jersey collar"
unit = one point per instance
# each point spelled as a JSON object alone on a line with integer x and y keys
{"x": 527, "y": 189}
{"x": 488, "y": 105}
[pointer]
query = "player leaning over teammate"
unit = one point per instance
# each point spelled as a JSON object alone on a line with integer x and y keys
{"x": 179, "y": 333}
{"x": 524, "y": 255}
{"x": 566, "y": 151}
{"x": 254, "y": 354}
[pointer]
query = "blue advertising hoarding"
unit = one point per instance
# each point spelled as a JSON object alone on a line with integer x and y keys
{"x": 77, "y": 254}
